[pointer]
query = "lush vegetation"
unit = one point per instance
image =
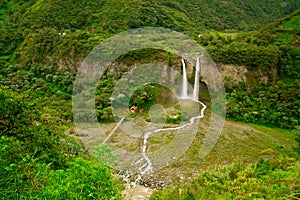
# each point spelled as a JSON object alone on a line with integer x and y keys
{"x": 30, "y": 37}
{"x": 42, "y": 43}
{"x": 270, "y": 96}
{"x": 267, "y": 179}
{"x": 102, "y": 16}
{"x": 271, "y": 105}
{"x": 39, "y": 161}
{"x": 297, "y": 138}
{"x": 63, "y": 32}
{"x": 273, "y": 53}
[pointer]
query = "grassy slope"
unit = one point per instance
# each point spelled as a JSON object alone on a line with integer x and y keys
{"x": 272, "y": 179}
{"x": 248, "y": 162}
{"x": 239, "y": 142}
{"x": 247, "y": 143}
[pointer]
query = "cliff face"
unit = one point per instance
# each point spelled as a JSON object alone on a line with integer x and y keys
{"x": 44, "y": 33}
{"x": 232, "y": 74}
{"x": 235, "y": 74}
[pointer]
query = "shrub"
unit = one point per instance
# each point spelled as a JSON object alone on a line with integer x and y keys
{"x": 268, "y": 179}
{"x": 81, "y": 180}
{"x": 39, "y": 161}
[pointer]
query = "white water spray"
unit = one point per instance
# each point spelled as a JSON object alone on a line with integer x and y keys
{"x": 196, "y": 84}
{"x": 147, "y": 166}
{"x": 184, "y": 90}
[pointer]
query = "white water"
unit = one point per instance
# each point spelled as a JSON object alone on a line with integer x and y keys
{"x": 184, "y": 91}
{"x": 196, "y": 84}
{"x": 147, "y": 166}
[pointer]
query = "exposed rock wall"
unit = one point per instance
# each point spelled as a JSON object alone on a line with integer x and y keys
{"x": 232, "y": 74}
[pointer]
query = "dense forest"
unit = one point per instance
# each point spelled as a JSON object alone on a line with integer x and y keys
{"x": 42, "y": 44}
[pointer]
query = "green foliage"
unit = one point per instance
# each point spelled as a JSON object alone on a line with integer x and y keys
{"x": 277, "y": 45}
{"x": 50, "y": 86}
{"x": 177, "y": 118}
{"x": 44, "y": 80}
{"x": 181, "y": 15}
{"x": 102, "y": 98}
{"x": 49, "y": 46}
{"x": 63, "y": 32}
{"x": 267, "y": 179}
{"x": 105, "y": 114}
{"x": 270, "y": 94}
{"x": 38, "y": 160}
{"x": 81, "y": 180}
{"x": 144, "y": 97}
{"x": 21, "y": 122}
{"x": 272, "y": 105}
{"x": 297, "y": 138}
{"x": 250, "y": 55}
{"x": 104, "y": 153}
{"x": 14, "y": 115}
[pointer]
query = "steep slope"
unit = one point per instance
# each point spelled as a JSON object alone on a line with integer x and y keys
{"x": 21, "y": 19}
{"x": 61, "y": 33}
{"x": 119, "y": 15}
{"x": 268, "y": 89}
{"x": 50, "y": 37}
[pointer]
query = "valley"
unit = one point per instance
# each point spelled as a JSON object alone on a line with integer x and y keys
{"x": 191, "y": 100}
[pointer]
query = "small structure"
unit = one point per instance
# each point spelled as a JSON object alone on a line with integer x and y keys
{"x": 133, "y": 108}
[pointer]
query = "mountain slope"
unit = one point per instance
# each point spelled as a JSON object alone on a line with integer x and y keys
{"x": 109, "y": 17}
{"x": 120, "y": 15}
{"x": 269, "y": 92}
{"x": 42, "y": 42}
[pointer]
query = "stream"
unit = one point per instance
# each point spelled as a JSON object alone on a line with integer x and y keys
{"x": 147, "y": 167}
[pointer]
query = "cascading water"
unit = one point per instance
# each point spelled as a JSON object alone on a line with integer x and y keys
{"x": 184, "y": 90}
{"x": 147, "y": 166}
{"x": 196, "y": 84}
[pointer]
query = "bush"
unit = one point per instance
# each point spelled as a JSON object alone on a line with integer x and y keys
{"x": 268, "y": 179}
{"x": 39, "y": 161}
{"x": 81, "y": 180}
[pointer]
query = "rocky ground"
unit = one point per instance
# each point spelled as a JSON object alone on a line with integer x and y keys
{"x": 234, "y": 145}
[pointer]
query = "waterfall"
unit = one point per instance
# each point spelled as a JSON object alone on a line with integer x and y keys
{"x": 145, "y": 161}
{"x": 196, "y": 84}
{"x": 184, "y": 90}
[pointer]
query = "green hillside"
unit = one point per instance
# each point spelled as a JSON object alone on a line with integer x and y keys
{"x": 42, "y": 44}
{"x": 83, "y": 20}
{"x": 271, "y": 179}
{"x": 112, "y": 16}
{"x": 275, "y": 103}
{"x": 270, "y": 54}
